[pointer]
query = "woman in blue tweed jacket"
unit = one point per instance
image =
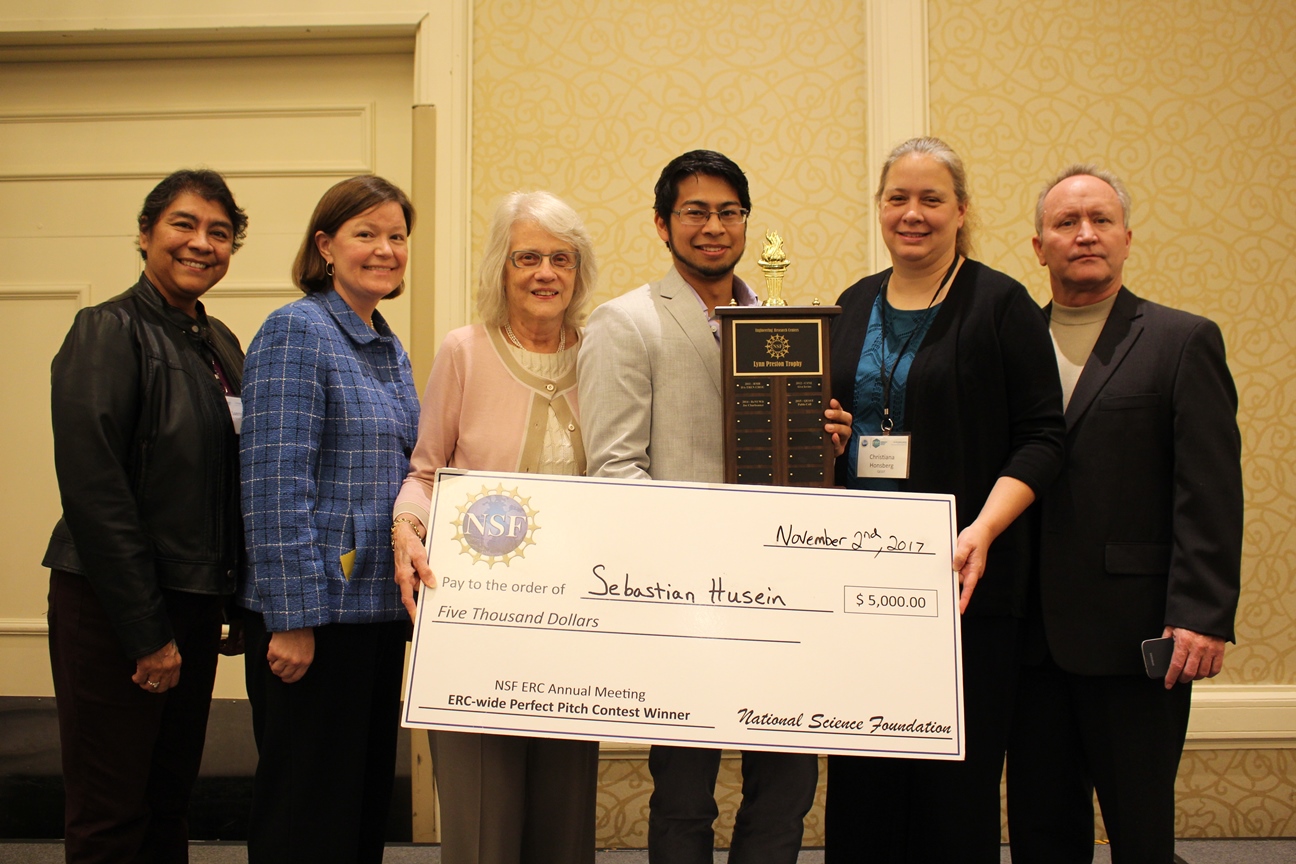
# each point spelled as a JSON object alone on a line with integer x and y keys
{"x": 330, "y": 418}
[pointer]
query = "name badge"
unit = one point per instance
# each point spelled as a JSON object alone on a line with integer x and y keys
{"x": 236, "y": 412}
{"x": 883, "y": 456}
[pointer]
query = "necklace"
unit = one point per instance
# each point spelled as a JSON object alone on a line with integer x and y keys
{"x": 562, "y": 337}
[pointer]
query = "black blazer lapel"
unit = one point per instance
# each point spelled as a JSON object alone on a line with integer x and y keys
{"x": 1118, "y": 335}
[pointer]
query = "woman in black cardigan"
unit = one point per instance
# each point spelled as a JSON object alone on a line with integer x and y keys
{"x": 957, "y": 357}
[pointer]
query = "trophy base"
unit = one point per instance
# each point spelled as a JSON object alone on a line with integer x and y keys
{"x": 776, "y": 384}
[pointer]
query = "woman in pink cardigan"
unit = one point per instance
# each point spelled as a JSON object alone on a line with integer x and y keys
{"x": 502, "y": 397}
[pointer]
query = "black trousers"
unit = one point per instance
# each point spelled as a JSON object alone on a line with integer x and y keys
{"x": 924, "y": 811}
{"x": 1120, "y": 734}
{"x": 327, "y": 745}
{"x": 778, "y": 790}
{"x": 130, "y": 757}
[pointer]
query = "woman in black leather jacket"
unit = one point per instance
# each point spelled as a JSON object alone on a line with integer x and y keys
{"x": 146, "y": 413}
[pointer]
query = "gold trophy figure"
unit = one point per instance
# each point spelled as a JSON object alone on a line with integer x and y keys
{"x": 773, "y": 263}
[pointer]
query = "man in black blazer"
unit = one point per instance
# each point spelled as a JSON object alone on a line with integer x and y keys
{"x": 1140, "y": 538}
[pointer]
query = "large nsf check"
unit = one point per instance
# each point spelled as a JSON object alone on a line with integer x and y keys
{"x": 767, "y": 618}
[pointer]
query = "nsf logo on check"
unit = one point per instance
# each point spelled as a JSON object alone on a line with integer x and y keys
{"x": 495, "y": 526}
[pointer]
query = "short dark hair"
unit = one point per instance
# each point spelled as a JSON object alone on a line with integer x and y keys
{"x": 345, "y": 200}
{"x": 203, "y": 182}
{"x": 695, "y": 162}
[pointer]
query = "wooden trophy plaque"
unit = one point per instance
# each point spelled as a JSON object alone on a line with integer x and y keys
{"x": 776, "y": 385}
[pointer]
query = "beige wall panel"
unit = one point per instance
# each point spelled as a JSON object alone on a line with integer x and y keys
{"x": 35, "y": 320}
{"x": 26, "y": 669}
{"x": 73, "y": 14}
{"x": 337, "y": 140}
{"x": 81, "y": 143}
{"x": 251, "y": 92}
{"x": 71, "y": 212}
{"x": 106, "y": 265}
{"x": 242, "y": 306}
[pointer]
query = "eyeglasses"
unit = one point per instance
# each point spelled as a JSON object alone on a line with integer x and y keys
{"x": 698, "y": 216}
{"x": 527, "y": 260}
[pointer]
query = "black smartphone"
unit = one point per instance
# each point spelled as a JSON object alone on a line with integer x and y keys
{"x": 1156, "y": 656}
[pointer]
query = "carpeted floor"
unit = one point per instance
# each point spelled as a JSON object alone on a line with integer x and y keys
{"x": 1188, "y": 852}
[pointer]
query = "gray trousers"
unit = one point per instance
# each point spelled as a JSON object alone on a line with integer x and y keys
{"x": 507, "y": 799}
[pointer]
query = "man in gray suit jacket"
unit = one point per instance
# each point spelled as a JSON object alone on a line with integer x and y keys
{"x": 1141, "y": 537}
{"x": 650, "y": 397}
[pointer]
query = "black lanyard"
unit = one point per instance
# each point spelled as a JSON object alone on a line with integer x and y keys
{"x": 887, "y": 379}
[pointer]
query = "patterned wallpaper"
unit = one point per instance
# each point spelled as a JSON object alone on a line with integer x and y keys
{"x": 1236, "y": 793}
{"x": 591, "y": 99}
{"x": 1219, "y": 793}
{"x": 1193, "y": 102}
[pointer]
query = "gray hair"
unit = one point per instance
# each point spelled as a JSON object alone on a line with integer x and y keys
{"x": 944, "y": 154}
{"x": 1077, "y": 170}
{"x": 553, "y": 215}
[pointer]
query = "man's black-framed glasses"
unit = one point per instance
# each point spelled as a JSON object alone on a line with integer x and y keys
{"x": 698, "y": 216}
